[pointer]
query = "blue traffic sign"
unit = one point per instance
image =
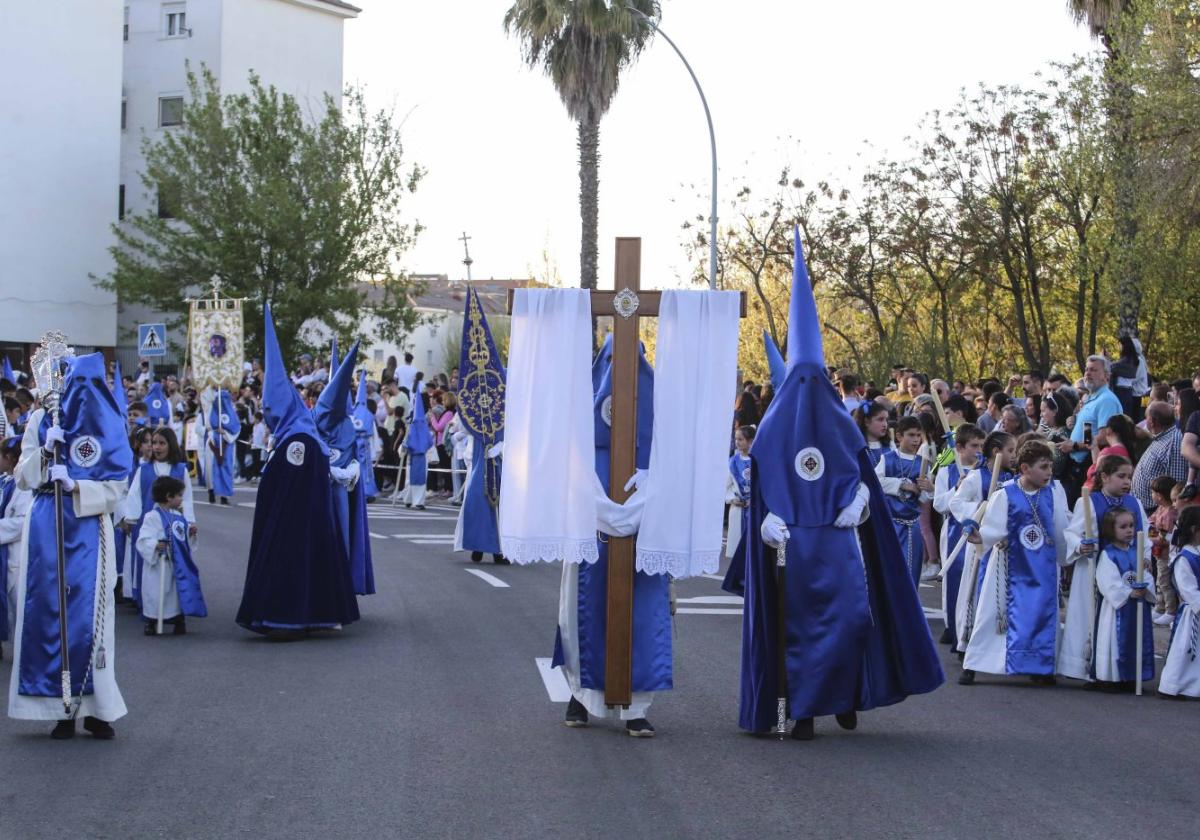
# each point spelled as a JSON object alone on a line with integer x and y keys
{"x": 152, "y": 340}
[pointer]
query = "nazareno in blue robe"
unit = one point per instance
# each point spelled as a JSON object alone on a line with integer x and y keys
{"x": 96, "y": 449}
{"x": 856, "y": 634}
{"x": 187, "y": 576}
{"x": 222, "y": 455}
{"x": 298, "y": 573}
{"x": 364, "y": 431}
{"x": 652, "y": 666}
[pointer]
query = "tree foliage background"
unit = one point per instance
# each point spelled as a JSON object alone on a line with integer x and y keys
{"x": 299, "y": 209}
{"x": 989, "y": 245}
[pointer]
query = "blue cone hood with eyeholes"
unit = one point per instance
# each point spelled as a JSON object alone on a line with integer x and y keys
{"x": 96, "y": 446}
{"x": 283, "y": 409}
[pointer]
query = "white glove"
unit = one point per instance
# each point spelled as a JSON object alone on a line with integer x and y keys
{"x": 618, "y": 520}
{"x": 496, "y": 451}
{"x": 774, "y": 531}
{"x": 54, "y": 435}
{"x": 638, "y": 480}
{"x": 852, "y": 514}
{"x": 58, "y": 473}
{"x": 345, "y": 476}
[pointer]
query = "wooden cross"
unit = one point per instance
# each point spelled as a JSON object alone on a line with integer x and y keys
{"x": 627, "y": 303}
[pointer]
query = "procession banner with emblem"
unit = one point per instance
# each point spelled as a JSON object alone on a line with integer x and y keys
{"x": 215, "y": 340}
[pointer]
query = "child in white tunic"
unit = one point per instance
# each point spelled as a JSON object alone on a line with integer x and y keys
{"x": 1181, "y": 672}
{"x": 1118, "y": 584}
{"x": 170, "y": 582}
{"x": 1109, "y": 488}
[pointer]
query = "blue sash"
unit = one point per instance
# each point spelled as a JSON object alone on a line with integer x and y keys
{"x": 1126, "y": 621}
{"x": 187, "y": 576}
{"x": 1032, "y": 591}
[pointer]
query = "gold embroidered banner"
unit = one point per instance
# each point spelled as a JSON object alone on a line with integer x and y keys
{"x": 216, "y": 342}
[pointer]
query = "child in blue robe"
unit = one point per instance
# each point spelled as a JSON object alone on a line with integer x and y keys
{"x": 968, "y": 445}
{"x": 1119, "y": 592}
{"x": 168, "y": 569}
{"x": 1181, "y": 670}
{"x": 902, "y": 474}
{"x": 737, "y": 496}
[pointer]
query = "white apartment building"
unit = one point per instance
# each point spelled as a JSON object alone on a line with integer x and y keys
{"x": 295, "y": 45}
{"x": 60, "y": 150}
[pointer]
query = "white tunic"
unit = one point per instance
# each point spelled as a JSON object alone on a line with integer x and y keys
{"x": 154, "y": 574}
{"x": 1181, "y": 671}
{"x": 987, "y": 650}
{"x": 943, "y": 494}
{"x": 1115, "y": 590}
{"x": 90, "y": 498}
{"x": 11, "y": 527}
{"x": 1075, "y": 645}
{"x": 964, "y": 504}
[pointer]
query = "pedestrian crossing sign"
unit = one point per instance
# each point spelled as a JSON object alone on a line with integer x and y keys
{"x": 152, "y": 340}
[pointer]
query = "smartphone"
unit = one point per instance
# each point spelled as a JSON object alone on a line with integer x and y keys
{"x": 1087, "y": 434}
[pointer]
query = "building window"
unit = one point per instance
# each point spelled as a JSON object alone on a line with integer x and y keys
{"x": 124, "y": 112}
{"x": 120, "y": 202}
{"x": 429, "y": 357}
{"x": 125, "y": 29}
{"x": 167, "y": 201}
{"x": 175, "y": 21}
{"x": 378, "y": 355}
{"x": 170, "y": 111}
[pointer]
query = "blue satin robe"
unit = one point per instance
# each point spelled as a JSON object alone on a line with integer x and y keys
{"x": 1126, "y": 629}
{"x": 1032, "y": 634}
{"x": 480, "y": 528}
{"x": 187, "y": 576}
{"x": 906, "y": 511}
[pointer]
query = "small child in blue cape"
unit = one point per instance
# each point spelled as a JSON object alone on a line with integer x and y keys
{"x": 170, "y": 580}
{"x": 1119, "y": 592}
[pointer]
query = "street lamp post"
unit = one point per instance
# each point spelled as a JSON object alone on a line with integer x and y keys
{"x": 712, "y": 139}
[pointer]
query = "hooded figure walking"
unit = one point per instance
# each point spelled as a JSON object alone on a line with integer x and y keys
{"x": 853, "y": 634}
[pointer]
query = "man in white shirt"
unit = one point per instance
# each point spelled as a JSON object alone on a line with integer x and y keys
{"x": 406, "y": 374}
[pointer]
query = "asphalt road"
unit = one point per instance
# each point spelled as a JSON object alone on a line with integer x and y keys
{"x": 431, "y": 718}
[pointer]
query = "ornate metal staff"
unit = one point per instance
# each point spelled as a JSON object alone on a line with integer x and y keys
{"x": 781, "y": 693}
{"x": 47, "y": 371}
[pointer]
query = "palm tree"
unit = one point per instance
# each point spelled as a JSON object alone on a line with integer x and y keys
{"x": 1110, "y": 21}
{"x": 583, "y": 45}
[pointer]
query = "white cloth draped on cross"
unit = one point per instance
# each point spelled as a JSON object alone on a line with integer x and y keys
{"x": 551, "y": 503}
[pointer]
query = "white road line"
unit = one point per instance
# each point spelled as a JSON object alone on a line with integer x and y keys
{"x": 240, "y": 504}
{"x": 433, "y": 541}
{"x": 552, "y": 678}
{"x": 714, "y": 577}
{"x": 372, "y": 533}
{"x": 429, "y": 536}
{"x": 930, "y": 612}
{"x": 711, "y": 599}
{"x": 706, "y": 611}
{"x": 492, "y": 579}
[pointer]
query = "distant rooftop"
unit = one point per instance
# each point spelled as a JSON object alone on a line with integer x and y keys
{"x": 446, "y": 295}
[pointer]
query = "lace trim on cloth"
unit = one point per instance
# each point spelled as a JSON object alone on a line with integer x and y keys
{"x": 678, "y": 564}
{"x": 525, "y": 551}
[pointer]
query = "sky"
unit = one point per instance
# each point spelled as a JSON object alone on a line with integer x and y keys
{"x": 822, "y": 87}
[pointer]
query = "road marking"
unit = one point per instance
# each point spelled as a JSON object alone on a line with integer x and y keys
{"x": 240, "y": 504}
{"x": 930, "y": 612}
{"x": 553, "y": 679}
{"x": 711, "y": 599}
{"x": 434, "y": 541}
{"x": 427, "y": 536}
{"x": 492, "y": 579}
{"x": 714, "y": 577}
{"x": 706, "y": 611}
{"x": 372, "y": 533}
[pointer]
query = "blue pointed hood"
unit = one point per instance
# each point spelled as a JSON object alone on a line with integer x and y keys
{"x": 419, "y": 439}
{"x": 481, "y": 376}
{"x": 804, "y": 327}
{"x": 332, "y": 415}
{"x": 283, "y": 409}
{"x": 361, "y": 418}
{"x": 222, "y": 414}
{"x": 158, "y": 406}
{"x": 97, "y": 448}
{"x": 807, "y": 447}
{"x": 8, "y": 371}
{"x": 119, "y": 390}
{"x": 775, "y": 363}
{"x": 333, "y": 358}
{"x": 602, "y": 362}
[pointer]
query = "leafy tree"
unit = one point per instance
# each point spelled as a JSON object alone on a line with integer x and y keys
{"x": 583, "y": 45}
{"x": 299, "y": 210}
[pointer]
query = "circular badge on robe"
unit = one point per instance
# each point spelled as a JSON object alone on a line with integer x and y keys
{"x": 1032, "y": 537}
{"x": 810, "y": 463}
{"x": 606, "y": 411}
{"x": 746, "y": 475}
{"x": 179, "y": 529}
{"x": 156, "y": 403}
{"x": 295, "y": 453}
{"x": 356, "y": 422}
{"x": 224, "y": 419}
{"x": 85, "y": 451}
{"x": 1130, "y": 578}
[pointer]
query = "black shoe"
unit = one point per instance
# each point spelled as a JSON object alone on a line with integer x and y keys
{"x": 419, "y": 507}
{"x": 212, "y": 497}
{"x": 848, "y": 720}
{"x": 408, "y": 504}
{"x": 577, "y": 715}
{"x": 63, "y": 730}
{"x": 149, "y": 629}
{"x": 1043, "y": 679}
{"x": 501, "y": 560}
{"x": 100, "y": 729}
{"x": 225, "y": 501}
{"x": 476, "y": 556}
{"x": 967, "y": 677}
{"x": 180, "y": 627}
{"x": 639, "y": 728}
{"x": 946, "y": 638}
{"x": 803, "y": 730}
